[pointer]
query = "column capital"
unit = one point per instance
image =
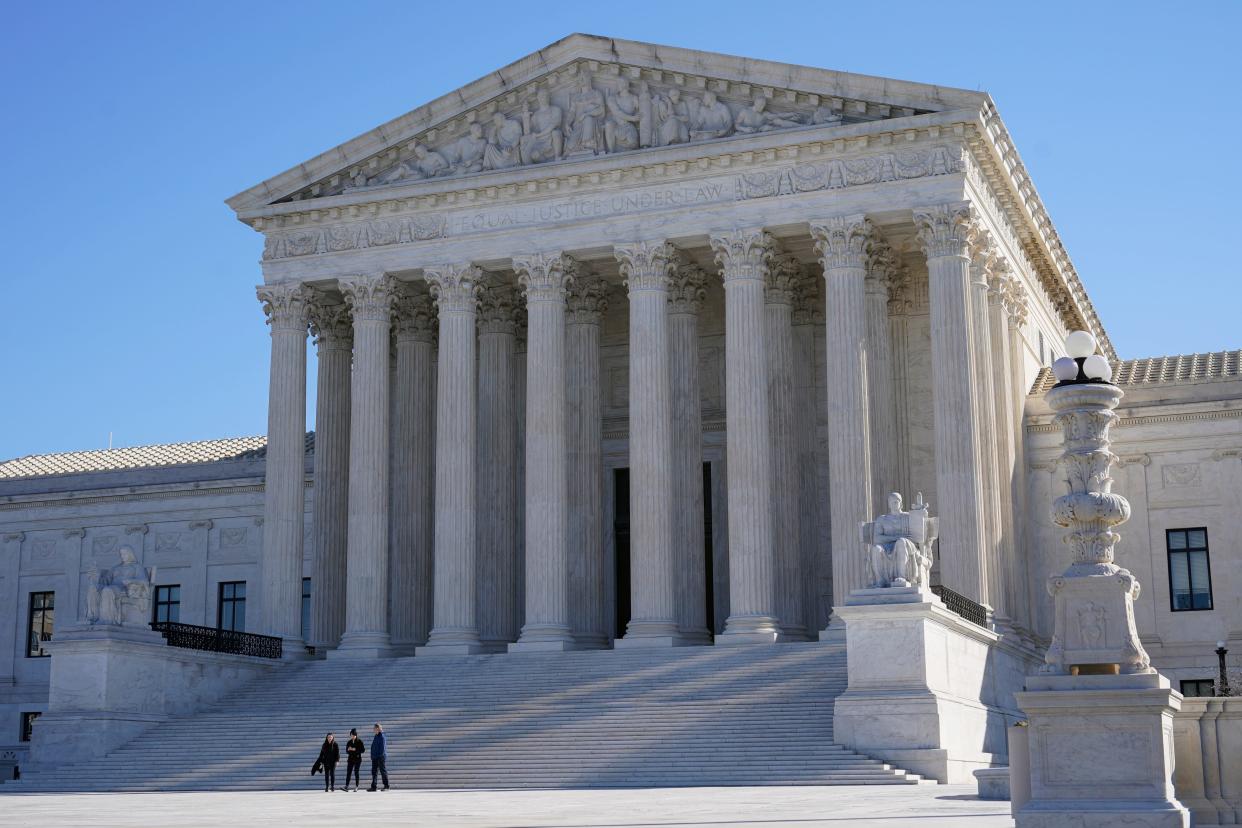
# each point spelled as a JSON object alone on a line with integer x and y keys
{"x": 743, "y": 254}
{"x": 947, "y": 229}
{"x": 646, "y": 265}
{"x": 413, "y": 314}
{"x": 543, "y": 276}
{"x": 331, "y": 323}
{"x": 588, "y": 295}
{"x": 687, "y": 287}
{"x": 284, "y": 304}
{"x": 983, "y": 259}
{"x": 498, "y": 306}
{"x": 454, "y": 287}
{"x": 784, "y": 275}
{"x": 1017, "y": 303}
{"x": 999, "y": 274}
{"x": 843, "y": 241}
{"x": 369, "y": 296}
{"x": 808, "y": 308}
{"x": 883, "y": 268}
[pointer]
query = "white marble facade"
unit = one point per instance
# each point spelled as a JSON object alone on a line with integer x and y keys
{"x": 605, "y": 266}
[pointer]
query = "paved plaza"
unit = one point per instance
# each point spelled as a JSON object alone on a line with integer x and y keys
{"x": 942, "y": 805}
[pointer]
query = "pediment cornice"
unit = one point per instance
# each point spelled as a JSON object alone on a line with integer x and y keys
{"x": 794, "y": 95}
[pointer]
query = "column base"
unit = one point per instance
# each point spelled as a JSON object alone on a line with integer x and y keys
{"x": 834, "y": 633}
{"x": 749, "y": 629}
{"x": 696, "y": 638}
{"x": 363, "y": 645}
{"x": 550, "y": 645}
{"x": 793, "y": 633}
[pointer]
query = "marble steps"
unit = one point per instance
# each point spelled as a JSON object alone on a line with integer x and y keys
{"x": 687, "y": 716}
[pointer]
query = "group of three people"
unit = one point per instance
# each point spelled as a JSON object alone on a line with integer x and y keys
{"x": 330, "y": 755}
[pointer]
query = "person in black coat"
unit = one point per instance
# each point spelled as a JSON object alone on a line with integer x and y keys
{"x": 329, "y": 755}
{"x": 354, "y": 749}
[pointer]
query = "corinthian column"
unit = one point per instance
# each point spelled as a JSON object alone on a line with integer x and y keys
{"x": 743, "y": 258}
{"x": 369, "y": 297}
{"x": 645, "y": 266}
{"x": 1015, "y": 305}
{"x": 843, "y": 243}
{"x": 497, "y": 474}
{"x": 783, "y": 278}
{"x": 454, "y": 628}
{"x": 285, "y": 466}
{"x": 947, "y": 234}
{"x": 685, "y": 299}
{"x": 586, "y": 304}
{"x": 984, "y": 387}
{"x": 413, "y": 471}
{"x": 547, "y": 451}
{"x": 882, "y": 268}
{"x": 807, "y": 312}
{"x": 1003, "y": 390}
{"x": 333, "y": 330}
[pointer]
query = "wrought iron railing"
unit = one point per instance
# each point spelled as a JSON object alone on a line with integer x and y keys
{"x": 963, "y": 606}
{"x": 215, "y": 640}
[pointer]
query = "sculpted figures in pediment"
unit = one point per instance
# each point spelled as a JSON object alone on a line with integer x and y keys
{"x": 426, "y": 163}
{"x": 586, "y": 120}
{"x": 465, "y": 155}
{"x": 504, "y": 143}
{"x": 711, "y": 118}
{"x": 543, "y": 139}
{"x": 621, "y": 130}
{"x": 826, "y": 115}
{"x": 757, "y": 118}
{"x": 672, "y": 117}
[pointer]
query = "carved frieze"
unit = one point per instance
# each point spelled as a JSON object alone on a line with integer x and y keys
{"x": 838, "y": 173}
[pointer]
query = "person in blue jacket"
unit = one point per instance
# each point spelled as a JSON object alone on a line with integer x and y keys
{"x": 378, "y": 755}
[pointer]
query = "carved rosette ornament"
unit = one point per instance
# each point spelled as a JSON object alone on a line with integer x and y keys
{"x": 543, "y": 276}
{"x": 743, "y": 254}
{"x": 285, "y": 305}
{"x": 843, "y": 241}
{"x": 783, "y": 277}
{"x": 947, "y": 229}
{"x": 1094, "y": 630}
{"x": 369, "y": 296}
{"x": 413, "y": 315}
{"x": 687, "y": 290}
{"x": 646, "y": 265}
{"x": 498, "y": 309}
{"x": 588, "y": 296}
{"x": 331, "y": 323}
{"x": 455, "y": 288}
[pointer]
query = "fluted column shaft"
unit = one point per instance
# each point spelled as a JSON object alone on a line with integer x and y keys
{"x": 778, "y": 312}
{"x": 646, "y": 268}
{"x": 881, "y": 405}
{"x": 586, "y": 304}
{"x": 842, "y": 243}
{"x": 1003, "y": 410}
{"x": 412, "y": 473}
{"x": 685, "y": 300}
{"x": 984, "y": 387}
{"x": 743, "y": 257}
{"x": 806, "y": 429}
{"x": 284, "y": 487}
{"x": 369, "y": 298}
{"x": 497, "y": 474}
{"x": 547, "y": 457}
{"x": 1015, "y": 303}
{"x": 334, "y": 340}
{"x": 947, "y": 235}
{"x": 454, "y": 625}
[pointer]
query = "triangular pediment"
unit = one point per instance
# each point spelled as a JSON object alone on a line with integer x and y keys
{"x": 587, "y": 96}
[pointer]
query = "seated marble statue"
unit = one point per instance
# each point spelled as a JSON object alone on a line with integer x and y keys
{"x": 121, "y": 595}
{"x": 426, "y": 163}
{"x": 899, "y": 545}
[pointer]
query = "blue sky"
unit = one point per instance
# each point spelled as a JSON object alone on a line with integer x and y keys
{"x": 129, "y": 288}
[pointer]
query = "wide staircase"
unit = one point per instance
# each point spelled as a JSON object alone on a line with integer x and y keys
{"x": 629, "y": 718}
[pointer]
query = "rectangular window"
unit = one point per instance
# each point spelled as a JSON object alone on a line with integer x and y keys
{"x": 1198, "y": 687}
{"x": 28, "y": 725}
{"x": 306, "y": 604}
{"x": 167, "y": 603}
{"x": 42, "y": 615}
{"x": 231, "y": 612}
{"x": 1190, "y": 575}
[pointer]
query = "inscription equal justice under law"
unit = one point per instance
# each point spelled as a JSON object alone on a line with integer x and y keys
{"x": 571, "y": 209}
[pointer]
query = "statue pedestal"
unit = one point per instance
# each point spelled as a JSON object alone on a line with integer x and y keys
{"x": 110, "y": 683}
{"x": 1101, "y": 752}
{"x": 928, "y": 691}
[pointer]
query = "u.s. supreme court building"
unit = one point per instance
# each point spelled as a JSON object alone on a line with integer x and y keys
{"x": 616, "y": 348}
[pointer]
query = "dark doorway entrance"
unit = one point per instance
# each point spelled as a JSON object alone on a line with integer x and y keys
{"x": 621, "y": 538}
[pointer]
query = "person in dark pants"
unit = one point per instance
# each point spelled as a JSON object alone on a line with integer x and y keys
{"x": 354, "y": 749}
{"x": 378, "y": 755}
{"x": 329, "y": 755}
